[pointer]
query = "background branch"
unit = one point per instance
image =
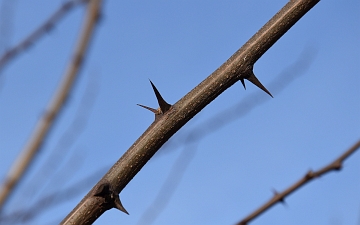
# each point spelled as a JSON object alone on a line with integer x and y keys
{"x": 39, "y": 32}
{"x": 42, "y": 128}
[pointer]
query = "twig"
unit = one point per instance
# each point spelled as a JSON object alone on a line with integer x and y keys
{"x": 39, "y": 32}
{"x": 104, "y": 195}
{"x": 45, "y": 123}
{"x": 311, "y": 175}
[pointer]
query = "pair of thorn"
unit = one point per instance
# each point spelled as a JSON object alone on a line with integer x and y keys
{"x": 164, "y": 106}
{"x": 252, "y": 78}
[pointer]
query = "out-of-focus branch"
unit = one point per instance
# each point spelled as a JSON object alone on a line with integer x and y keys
{"x": 311, "y": 175}
{"x": 45, "y": 123}
{"x": 48, "y": 201}
{"x": 45, "y": 177}
{"x": 105, "y": 194}
{"x": 6, "y": 22}
{"x": 39, "y": 32}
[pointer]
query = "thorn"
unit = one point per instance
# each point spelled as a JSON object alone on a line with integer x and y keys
{"x": 118, "y": 204}
{"x": 111, "y": 197}
{"x": 252, "y": 78}
{"x": 243, "y": 83}
{"x": 151, "y": 109}
{"x": 164, "y": 106}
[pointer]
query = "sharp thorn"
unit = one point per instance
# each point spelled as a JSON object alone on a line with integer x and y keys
{"x": 118, "y": 205}
{"x": 148, "y": 108}
{"x": 252, "y": 78}
{"x": 164, "y": 106}
{"x": 106, "y": 191}
{"x": 243, "y": 83}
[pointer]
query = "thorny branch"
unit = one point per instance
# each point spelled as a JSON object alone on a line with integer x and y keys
{"x": 309, "y": 176}
{"x": 190, "y": 139}
{"x": 45, "y": 123}
{"x": 39, "y": 32}
{"x": 237, "y": 67}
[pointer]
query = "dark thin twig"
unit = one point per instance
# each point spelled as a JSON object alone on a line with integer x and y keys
{"x": 309, "y": 176}
{"x": 39, "y": 32}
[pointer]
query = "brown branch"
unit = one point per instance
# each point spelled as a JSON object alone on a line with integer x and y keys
{"x": 45, "y": 123}
{"x": 39, "y": 32}
{"x": 238, "y": 67}
{"x": 311, "y": 175}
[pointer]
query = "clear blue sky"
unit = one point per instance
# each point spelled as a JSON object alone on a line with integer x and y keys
{"x": 177, "y": 45}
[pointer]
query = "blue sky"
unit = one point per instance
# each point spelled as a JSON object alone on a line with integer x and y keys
{"x": 229, "y": 172}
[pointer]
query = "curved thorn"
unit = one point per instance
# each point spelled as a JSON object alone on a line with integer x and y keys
{"x": 118, "y": 205}
{"x": 243, "y": 83}
{"x": 164, "y": 106}
{"x": 252, "y": 78}
{"x": 148, "y": 108}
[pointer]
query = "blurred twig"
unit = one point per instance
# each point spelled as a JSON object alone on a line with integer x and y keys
{"x": 311, "y": 175}
{"x": 169, "y": 186}
{"x": 39, "y": 32}
{"x": 48, "y": 201}
{"x": 41, "y": 179}
{"x": 45, "y": 123}
{"x": 6, "y": 22}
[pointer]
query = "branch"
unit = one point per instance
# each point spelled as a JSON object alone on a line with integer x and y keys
{"x": 192, "y": 138}
{"x": 39, "y": 32}
{"x": 104, "y": 195}
{"x": 311, "y": 175}
{"x": 45, "y": 123}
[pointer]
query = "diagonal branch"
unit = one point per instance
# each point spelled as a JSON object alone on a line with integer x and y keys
{"x": 238, "y": 66}
{"x": 39, "y": 32}
{"x": 45, "y": 123}
{"x": 311, "y": 175}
